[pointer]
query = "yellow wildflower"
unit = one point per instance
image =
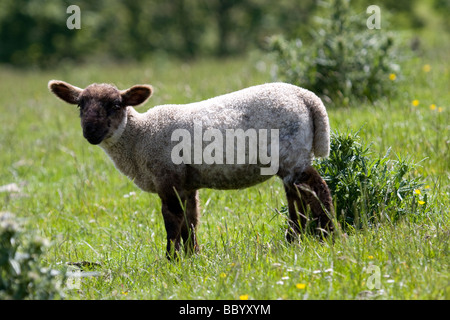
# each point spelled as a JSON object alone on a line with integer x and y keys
{"x": 415, "y": 103}
{"x": 243, "y": 297}
{"x": 223, "y": 275}
{"x": 440, "y": 109}
{"x": 392, "y": 77}
{"x": 300, "y": 286}
{"x": 421, "y": 202}
{"x": 417, "y": 191}
{"x": 426, "y": 68}
{"x": 433, "y": 107}
{"x": 370, "y": 257}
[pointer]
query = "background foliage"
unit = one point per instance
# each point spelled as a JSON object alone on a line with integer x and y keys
{"x": 34, "y": 32}
{"x": 346, "y": 59}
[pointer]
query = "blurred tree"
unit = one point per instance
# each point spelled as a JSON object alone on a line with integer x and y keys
{"x": 222, "y": 12}
{"x": 34, "y": 32}
{"x": 443, "y": 7}
{"x": 345, "y": 60}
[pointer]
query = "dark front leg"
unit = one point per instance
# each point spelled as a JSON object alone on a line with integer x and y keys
{"x": 189, "y": 224}
{"x": 172, "y": 212}
{"x": 180, "y": 213}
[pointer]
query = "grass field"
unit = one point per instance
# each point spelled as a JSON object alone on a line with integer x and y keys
{"x": 70, "y": 193}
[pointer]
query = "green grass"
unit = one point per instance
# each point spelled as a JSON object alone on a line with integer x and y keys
{"x": 73, "y": 196}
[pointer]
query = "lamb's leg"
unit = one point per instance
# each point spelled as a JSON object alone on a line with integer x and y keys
{"x": 296, "y": 208}
{"x": 173, "y": 215}
{"x": 189, "y": 225}
{"x": 316, "y": 194}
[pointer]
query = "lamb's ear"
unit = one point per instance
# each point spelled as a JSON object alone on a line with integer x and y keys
{"x": 65, "y": 91}
{"x": 136, "y": 94}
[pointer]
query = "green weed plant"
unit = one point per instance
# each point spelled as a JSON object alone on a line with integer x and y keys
{"x": 21, "y": 274}
{"x": 343, "y": 60}
{"x": 368, "y": 189}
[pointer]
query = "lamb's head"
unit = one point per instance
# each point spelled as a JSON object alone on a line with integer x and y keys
{"x": 102, "y": 106}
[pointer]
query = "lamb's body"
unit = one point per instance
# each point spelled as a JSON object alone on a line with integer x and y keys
{"x": 141, "y": 145}
{"x": 290, "y": 109}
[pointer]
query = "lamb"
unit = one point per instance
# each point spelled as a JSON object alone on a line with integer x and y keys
{"x": 154, "y": 149}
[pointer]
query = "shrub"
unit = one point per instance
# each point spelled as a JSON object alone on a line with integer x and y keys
{"x": 368, "y": 189}
{"x": 21, "y": 276}
{"x": 345, "y": 59}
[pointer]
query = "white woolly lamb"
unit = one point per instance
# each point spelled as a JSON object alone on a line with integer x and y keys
{"x": 155, "y": 149}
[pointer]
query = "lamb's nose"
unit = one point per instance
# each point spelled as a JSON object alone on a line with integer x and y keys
{"x": 92, "y": 133}
{"x": 89, "y": 129}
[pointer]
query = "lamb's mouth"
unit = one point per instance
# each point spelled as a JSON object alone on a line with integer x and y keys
{"x": 95, "y": 139}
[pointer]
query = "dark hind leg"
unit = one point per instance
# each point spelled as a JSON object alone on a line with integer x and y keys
{"x": 308, "y": 190}
{"x": 189, "y": 225}
{"x": 296, "y": 209}
{"x": 316, "y": 194}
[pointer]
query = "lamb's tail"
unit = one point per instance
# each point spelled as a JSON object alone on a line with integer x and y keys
{"x": 321, "y": 142}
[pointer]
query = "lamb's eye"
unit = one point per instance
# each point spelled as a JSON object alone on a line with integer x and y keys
{"x": 114, "y": 106}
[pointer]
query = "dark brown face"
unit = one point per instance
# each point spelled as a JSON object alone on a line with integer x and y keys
{"x": 101, "y": 111}
{"x": 102, "y": 106}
